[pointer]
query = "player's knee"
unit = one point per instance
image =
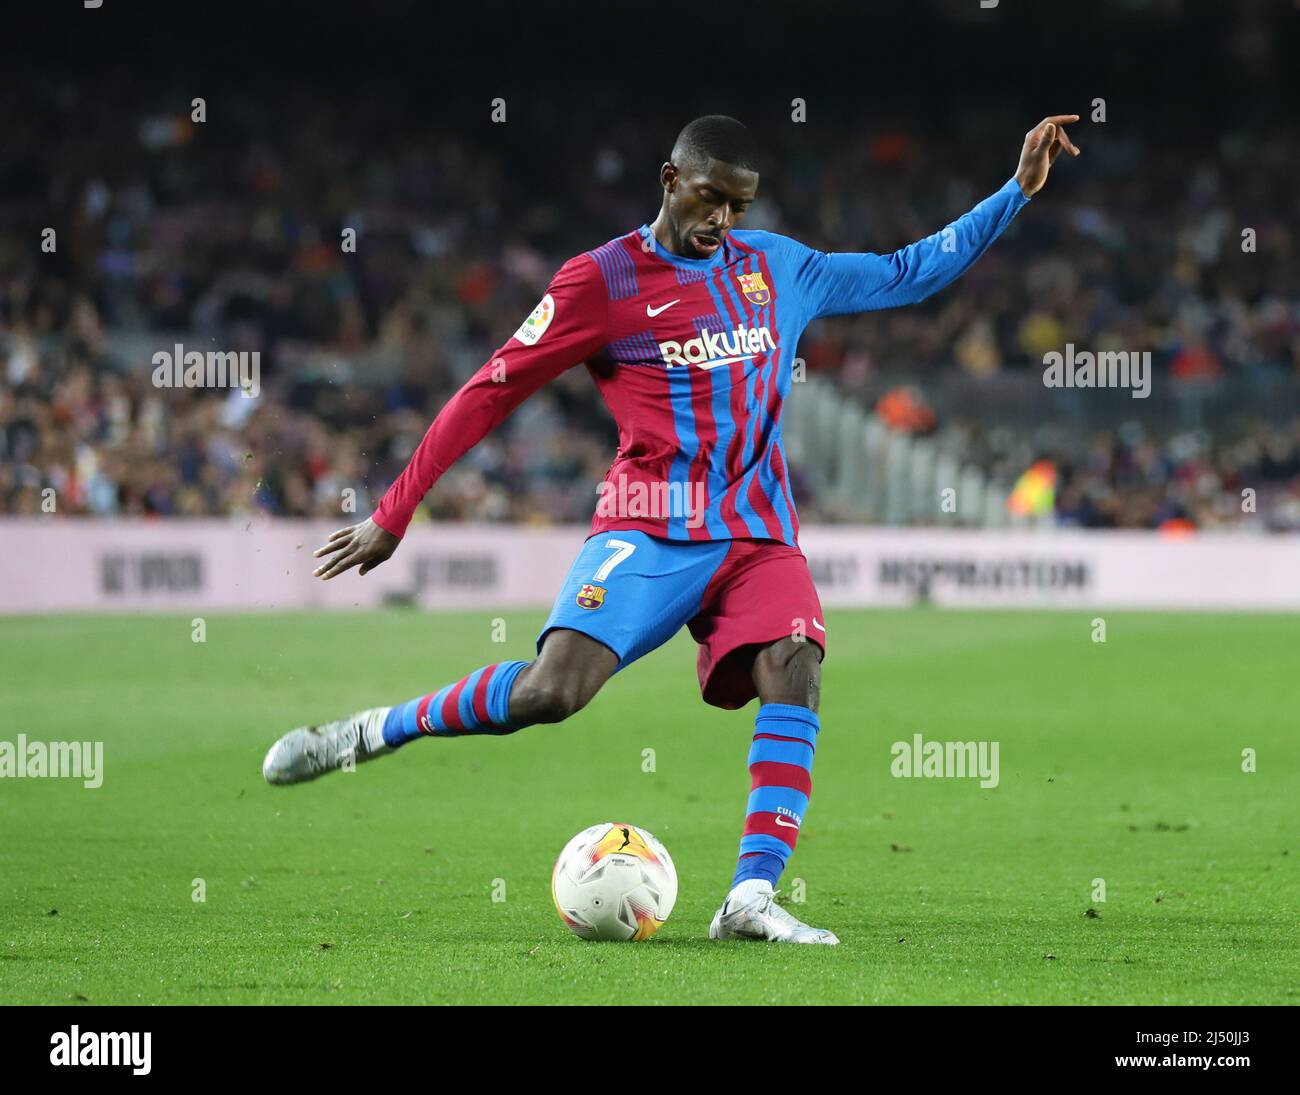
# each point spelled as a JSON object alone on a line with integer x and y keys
{"x": 568, "y": 672}
{"x": 790, "y": 658}
{"x": 555, "y": 703}
{"x": 551, "y": 699}
{"x": 789, "y": 671}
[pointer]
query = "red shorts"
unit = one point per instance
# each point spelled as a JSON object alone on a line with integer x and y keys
{"x": 762, "y": 592}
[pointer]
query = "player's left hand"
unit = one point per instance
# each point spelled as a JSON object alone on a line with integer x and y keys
{"x": 365, "y": 545}
{"x": 1042, "y": 145}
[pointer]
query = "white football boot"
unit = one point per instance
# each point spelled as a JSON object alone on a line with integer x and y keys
{"x": 751, "y": 912}
{"x": 311, "y": 751}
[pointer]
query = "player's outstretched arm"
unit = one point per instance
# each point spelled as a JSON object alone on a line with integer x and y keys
{"x": 566, "y": 328}
{"x": 838, "y": 283}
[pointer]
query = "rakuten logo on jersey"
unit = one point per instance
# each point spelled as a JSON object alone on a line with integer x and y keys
{"x": 710, "y": 349}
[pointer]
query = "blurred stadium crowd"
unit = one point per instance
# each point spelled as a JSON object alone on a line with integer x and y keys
{"x": 227, "y": 234}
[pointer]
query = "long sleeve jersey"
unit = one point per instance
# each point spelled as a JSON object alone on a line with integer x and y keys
{"x": 694, "y": 359}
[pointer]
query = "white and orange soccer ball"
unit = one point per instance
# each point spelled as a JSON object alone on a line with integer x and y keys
{"x": 614, "y": 881}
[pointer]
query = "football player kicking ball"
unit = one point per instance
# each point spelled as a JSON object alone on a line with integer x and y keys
{"x": 688, "y": 327}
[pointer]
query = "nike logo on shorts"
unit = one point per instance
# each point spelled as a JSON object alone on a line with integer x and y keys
{"x": 818, "y": 626}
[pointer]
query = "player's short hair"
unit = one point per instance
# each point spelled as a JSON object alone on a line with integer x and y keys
{"x": 715, "y": 137}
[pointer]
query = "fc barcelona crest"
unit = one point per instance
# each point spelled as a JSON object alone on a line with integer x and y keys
{"x": 754, "y": 288}
{"x": 590, "y": 596}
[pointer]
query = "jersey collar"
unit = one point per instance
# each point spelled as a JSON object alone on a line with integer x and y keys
{"x": 647, "y": 234}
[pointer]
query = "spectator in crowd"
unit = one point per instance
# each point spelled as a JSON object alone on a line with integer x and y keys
{"x": 239, "y": 241}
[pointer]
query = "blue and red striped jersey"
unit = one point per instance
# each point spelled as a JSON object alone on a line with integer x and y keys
{"x": 694, "y": 358}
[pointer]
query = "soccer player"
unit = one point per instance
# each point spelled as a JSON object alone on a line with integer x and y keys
{"x": 688, "y": 327}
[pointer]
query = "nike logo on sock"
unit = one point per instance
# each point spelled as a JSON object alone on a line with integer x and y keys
{"x": 652, "y": 312}
{"x": 787, "y": 824}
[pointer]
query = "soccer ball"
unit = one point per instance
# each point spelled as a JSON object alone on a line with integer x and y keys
{"x": 614, "y": 881}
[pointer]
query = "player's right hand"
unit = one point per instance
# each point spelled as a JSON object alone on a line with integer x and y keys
{"x": 365, "y": 545}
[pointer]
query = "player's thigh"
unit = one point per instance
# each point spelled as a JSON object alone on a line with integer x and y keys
{"x": 763, "y": 599}
{"x": 631, "y": 592}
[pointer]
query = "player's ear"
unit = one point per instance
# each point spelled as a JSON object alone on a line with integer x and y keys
{"x": 668, "y": 175}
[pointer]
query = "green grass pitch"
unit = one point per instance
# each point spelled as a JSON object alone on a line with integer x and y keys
{"x": 1120, "y": 761}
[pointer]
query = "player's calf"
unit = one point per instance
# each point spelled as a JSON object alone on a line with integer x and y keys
{"x": 496, "y": 699}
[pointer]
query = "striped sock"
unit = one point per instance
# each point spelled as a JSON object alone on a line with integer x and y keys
{"x": 478, "y": 704}
{"x": 780, "y": 771}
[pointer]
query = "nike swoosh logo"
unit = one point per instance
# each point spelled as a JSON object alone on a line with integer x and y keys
{"x": 787, "y": 824}
{"x": 652, "y": 312}
{"x": 818, "y": 626}
{"x": 707, "y": 365}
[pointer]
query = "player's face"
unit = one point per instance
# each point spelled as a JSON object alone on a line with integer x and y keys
{"x": 704, "y": 204}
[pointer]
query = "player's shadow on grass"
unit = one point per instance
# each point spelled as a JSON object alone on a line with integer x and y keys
{"x": 701, "y": 942}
